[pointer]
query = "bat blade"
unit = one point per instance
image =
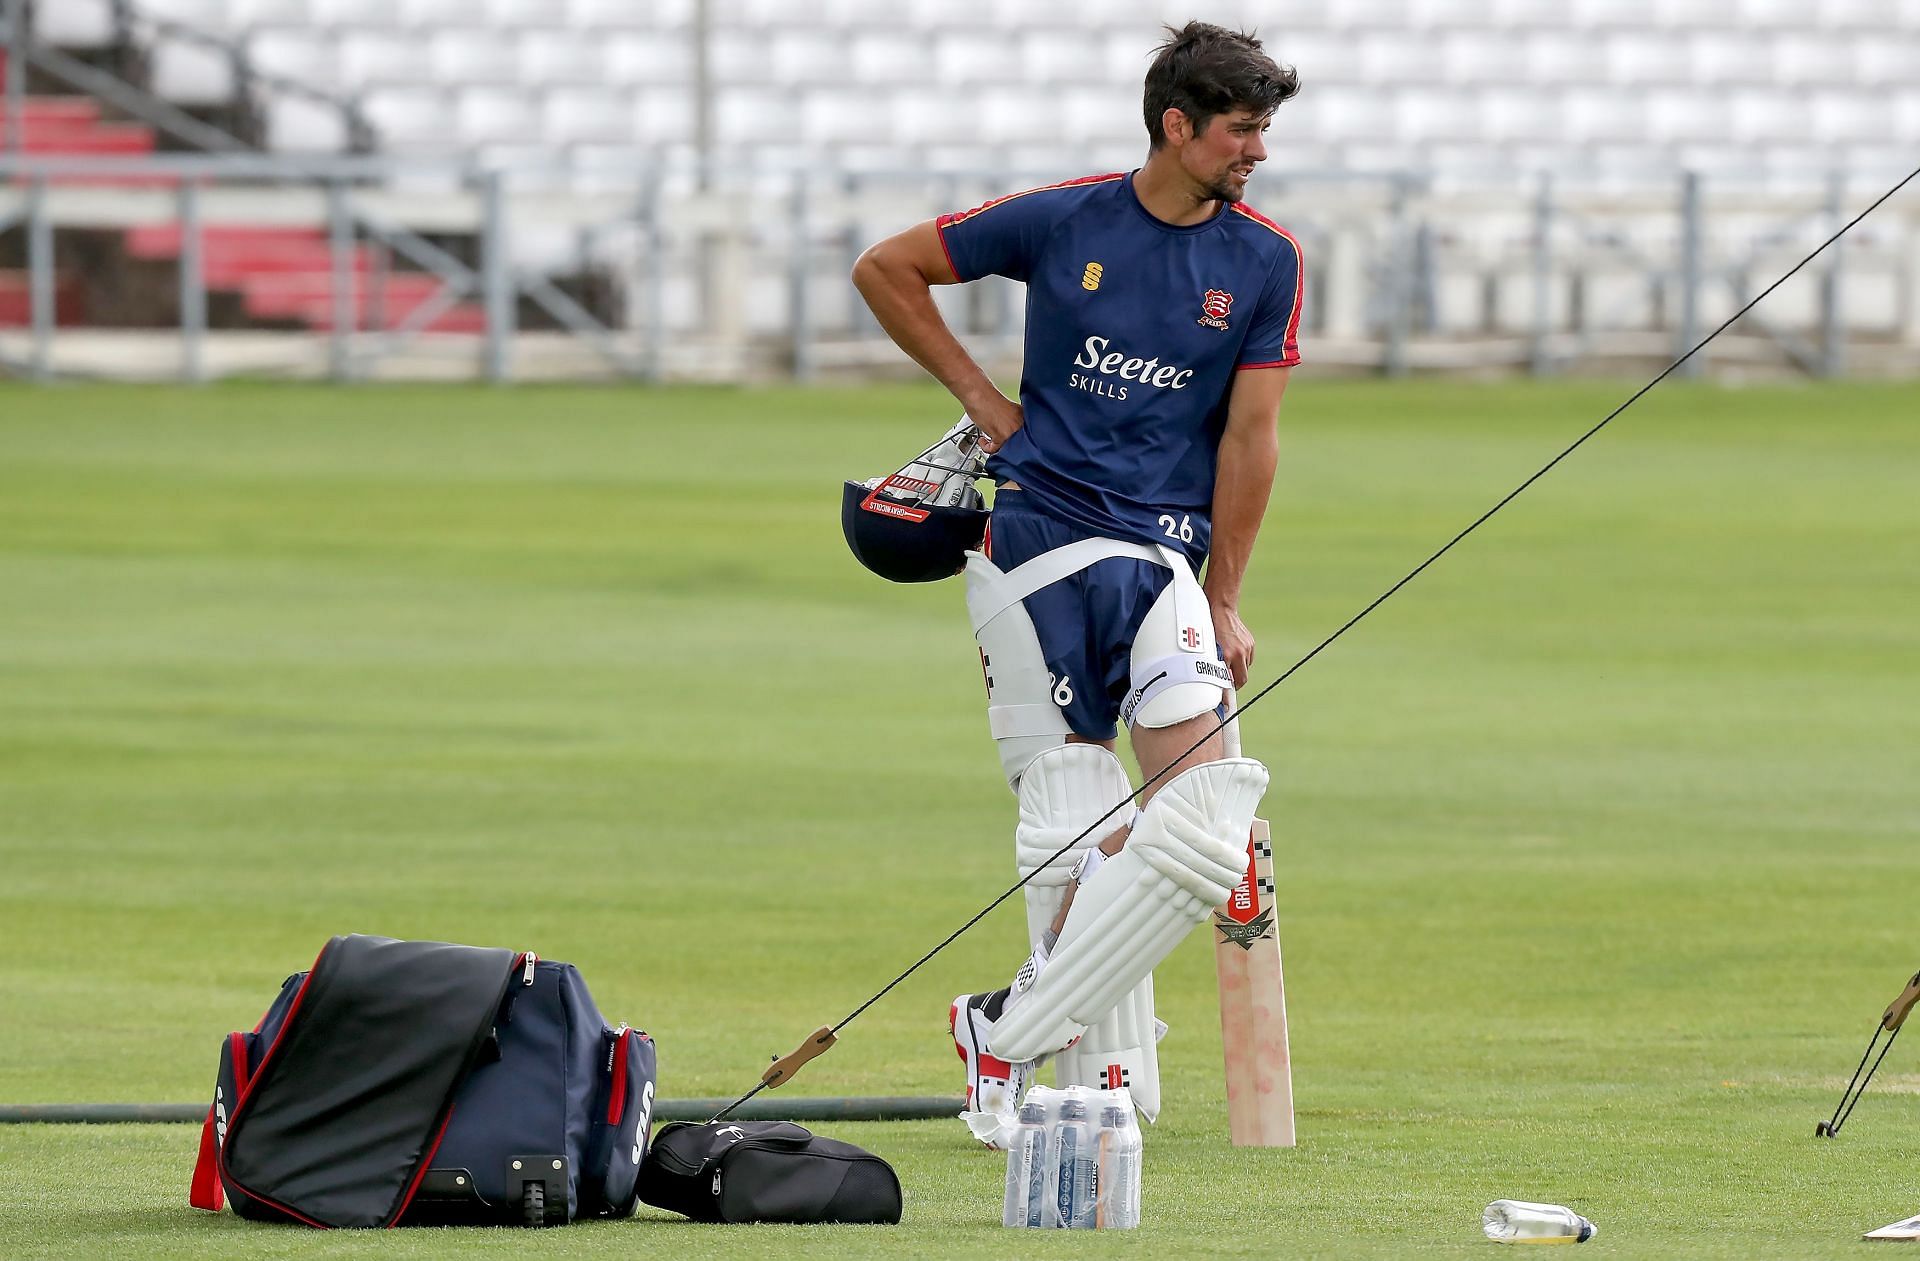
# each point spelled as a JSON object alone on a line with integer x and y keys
{"x": 1253, "y": 1005}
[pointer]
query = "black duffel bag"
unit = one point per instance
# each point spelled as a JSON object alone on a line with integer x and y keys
{"x": 421, "y": 1083}
{"x": 766, "y": 1171}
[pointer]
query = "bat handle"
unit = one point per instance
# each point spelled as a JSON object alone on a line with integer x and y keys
{"x": 785, "y": 1066}
{"x": 1897, "y": 1014}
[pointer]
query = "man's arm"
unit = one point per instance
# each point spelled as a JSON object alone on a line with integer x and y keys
{"x": 896, "y": 277}
{"x": 1249, "y": 454}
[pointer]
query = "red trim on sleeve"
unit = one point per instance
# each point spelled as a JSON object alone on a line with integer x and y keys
{"x": 940, "y": 234}
{"x": 1271, "y": 363}
{"x": 1299, "y": 285}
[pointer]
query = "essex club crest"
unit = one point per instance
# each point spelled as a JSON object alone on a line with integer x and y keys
{"x": 1214, "y": 307}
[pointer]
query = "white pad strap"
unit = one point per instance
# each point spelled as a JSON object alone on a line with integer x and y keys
{"x": 987, "y": 600}
{"x": 1186, "y": 854}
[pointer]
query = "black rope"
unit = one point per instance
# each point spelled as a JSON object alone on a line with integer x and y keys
{"x": 1353, "y": 621}
{"x": 1834, "y": 1125}
{"x": 1867, "y": 1081}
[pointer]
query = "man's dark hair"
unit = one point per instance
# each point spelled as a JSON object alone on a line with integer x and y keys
{"x": 1204, "y": 70}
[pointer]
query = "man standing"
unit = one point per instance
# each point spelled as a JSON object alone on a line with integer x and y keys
{"x": 1161, "y": 325}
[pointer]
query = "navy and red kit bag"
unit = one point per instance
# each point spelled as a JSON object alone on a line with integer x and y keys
{"x": 419, "y": 1083}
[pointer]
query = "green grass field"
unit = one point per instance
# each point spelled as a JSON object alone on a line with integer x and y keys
{"x": 1597, "y": 843}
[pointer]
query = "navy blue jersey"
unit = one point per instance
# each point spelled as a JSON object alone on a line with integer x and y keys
{"x": 1135, "y": 329}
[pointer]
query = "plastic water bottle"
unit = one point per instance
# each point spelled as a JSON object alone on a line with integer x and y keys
{"x": 1119, "y": 1172}
{"x": 1517, "y": 1221}
{"x": 1076, "y": 1171}
{"x": 1026, "y": 1201}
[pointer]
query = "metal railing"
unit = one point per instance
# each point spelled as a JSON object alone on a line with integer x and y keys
{"x": 134, "y": 30}
{"x": 748, "y": 277}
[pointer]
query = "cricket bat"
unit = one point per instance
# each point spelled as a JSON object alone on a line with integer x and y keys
{"x": 1253, "y": 996}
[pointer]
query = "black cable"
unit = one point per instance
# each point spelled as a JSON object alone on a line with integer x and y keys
{"x": 1353, "y": 621}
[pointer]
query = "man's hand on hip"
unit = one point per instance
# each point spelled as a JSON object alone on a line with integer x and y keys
{"x": 998, "y": 417}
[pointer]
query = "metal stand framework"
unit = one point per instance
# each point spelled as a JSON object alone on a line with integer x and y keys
{"x": 1890, "y": 1022}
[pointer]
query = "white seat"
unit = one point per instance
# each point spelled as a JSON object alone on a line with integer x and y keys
{"x": 862, "y": 14}
{"x": 245, "y": 15}
{"x": 574, "y": 58}
{"x": 888, "y": 58}
{"x": 734, "y": 55}
{"x": 352, "y": 13}
{"x": 754, "y": 115}
{"x": 210, "y": 16}
{"x": 1004, "y": 115}
{"x": 1771, "y": 14}
{"x": 1476, "y": 57}
{"x": 1529, "y": 15}
{"x": 1594, "y": 116}
{"x": 497, "y": 115}
{"x": 1321, "y": 57}
{"x": 1841, "y": 117}
{"x": 1058, "y": 56}
{"x": 927, "y": 116}
{"x": 975, "y": 57}
{"x": 1802, "y": 59}
{"x": 1637, "y": 59}
{"x": 830, "y": 116}
{"x": 1092, "y": 115}
{"x": 515, "y": 13}
{"x": 1521, "y": 115}
{"x": 1726, "y": 57}
{"x": 305, "y": 56}
{"x": 1450, "y": 15}
{"x": 380, "y": 57}
{"x": 601, "y": 16}
{"x": 1694, "y": 15}
{"x": 1598, "y": 15}
{"x": 1764, "y": 117}
{"x": 1861, "y": 15}
{"x": 1677, "y": 115}
{"x": 1881, "y": 60}
{"x": 75, "y": 23}
{"x": 1386, "y": 15}
{"x": 1557, "y": 58}
{"x": 586, "y": 113}
{"x": 1425, "y": 115}
{"x": 190, "y": 72}
{"x": 473, "y": 56}
{"x": 1393, "y": 59}
{"x": 662, "y": 116}
{"x": 803, "y": 58}
{"x": 645, "y": 60}
{"x": 1343, "y": 116}
{"x": 296, "y": 124}
{"x": 411, "y": 119}
{"x": 434, "y": 14}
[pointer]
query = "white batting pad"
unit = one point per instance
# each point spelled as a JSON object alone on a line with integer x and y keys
{"x": 1120, "y": 1049}
{"x": 1062, "y": 793}
{"x": 1187, "y": 851}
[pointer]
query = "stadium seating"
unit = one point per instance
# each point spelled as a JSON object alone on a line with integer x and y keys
{"x": 844, "y": 80}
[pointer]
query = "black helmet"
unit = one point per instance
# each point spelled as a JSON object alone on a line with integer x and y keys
{"x": 918, "y": 524}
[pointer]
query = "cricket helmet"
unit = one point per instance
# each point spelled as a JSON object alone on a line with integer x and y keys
{"x": 918, "y": 524}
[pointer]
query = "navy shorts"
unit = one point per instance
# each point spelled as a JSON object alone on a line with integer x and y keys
{"x": 1086, "y": 622}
